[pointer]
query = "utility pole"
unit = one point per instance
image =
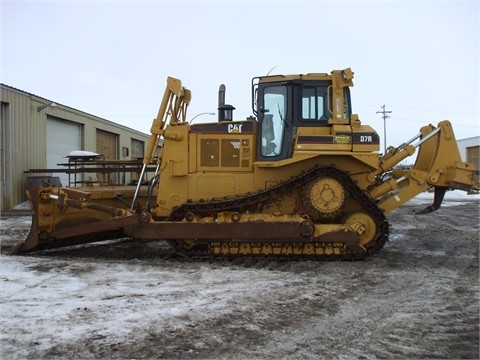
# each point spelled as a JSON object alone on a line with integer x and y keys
{"x": 385, "y": 117}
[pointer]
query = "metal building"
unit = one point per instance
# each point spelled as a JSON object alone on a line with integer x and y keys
{"x": 470, "y": 151}
{"x": 37, "y": 133}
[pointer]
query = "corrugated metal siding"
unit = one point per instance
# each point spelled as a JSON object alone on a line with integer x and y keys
{"x": 26, "y": 140}
{"x": 5, "y": 156}
{"x": 28, "y": 135}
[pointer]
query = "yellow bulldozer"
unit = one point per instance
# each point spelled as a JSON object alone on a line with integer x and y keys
{"x": 302, "y": 178}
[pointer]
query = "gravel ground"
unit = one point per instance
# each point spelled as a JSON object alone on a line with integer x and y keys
{"x": 418, "y": 298}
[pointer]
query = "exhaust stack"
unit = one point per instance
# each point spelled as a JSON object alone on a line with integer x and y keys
{"x": 225, "y": 111}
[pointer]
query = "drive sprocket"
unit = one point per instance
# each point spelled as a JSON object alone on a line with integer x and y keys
{"x": 325, "y": 198}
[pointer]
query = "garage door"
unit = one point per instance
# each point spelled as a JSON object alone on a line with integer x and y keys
{"x": 107, "y": 144}
{"x": 473, "y": 156}
{"x": 137, "y": 149}
{"x": 62, "y": 137}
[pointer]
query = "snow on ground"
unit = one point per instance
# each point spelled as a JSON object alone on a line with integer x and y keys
{"x": 50, "y": 302}
{"x": 450, "y": 196}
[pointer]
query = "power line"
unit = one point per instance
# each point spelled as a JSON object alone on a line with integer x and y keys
{"x": 385, "y": 117}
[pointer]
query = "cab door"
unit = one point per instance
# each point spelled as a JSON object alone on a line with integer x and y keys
{"x": 275, "y": 121}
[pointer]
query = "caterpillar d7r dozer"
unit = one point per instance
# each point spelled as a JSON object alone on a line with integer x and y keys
{"x": 303, "y": 178}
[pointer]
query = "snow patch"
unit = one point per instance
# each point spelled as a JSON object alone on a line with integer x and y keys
{"x": 82, "y": 153}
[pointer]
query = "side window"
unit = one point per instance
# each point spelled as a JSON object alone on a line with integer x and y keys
{"x": 314, "y": 103}
{"x": 309, "y": 111}
{"x": 273, "y": 124}
{"x": 347, "y": 111}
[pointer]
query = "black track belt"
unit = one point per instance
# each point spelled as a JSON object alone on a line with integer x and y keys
{"x": 256, "y": 201}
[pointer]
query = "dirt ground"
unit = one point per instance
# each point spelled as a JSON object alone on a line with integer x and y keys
{"x": 418, "y": 298}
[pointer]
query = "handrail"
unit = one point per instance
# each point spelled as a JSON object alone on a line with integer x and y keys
{"x": 173, "y": 110}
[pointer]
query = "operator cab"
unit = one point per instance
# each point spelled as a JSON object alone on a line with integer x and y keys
{"x": 283, "y": 103}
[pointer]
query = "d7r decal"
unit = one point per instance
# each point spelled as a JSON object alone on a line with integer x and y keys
{"x": 366, "y": 138}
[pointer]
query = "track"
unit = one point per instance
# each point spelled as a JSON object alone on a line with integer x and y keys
{"x": 333, "y": 247}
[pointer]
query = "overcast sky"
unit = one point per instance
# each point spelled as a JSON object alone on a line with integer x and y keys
{"x": 112, "y": 58}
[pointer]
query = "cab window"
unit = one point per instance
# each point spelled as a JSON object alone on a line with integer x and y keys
{"x": 314, "y": 103}
{"x": 273, "y": 123}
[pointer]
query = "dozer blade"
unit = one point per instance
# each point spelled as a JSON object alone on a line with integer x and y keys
{"x": 64, "y": 217}
{"x": 74, "y": 235}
